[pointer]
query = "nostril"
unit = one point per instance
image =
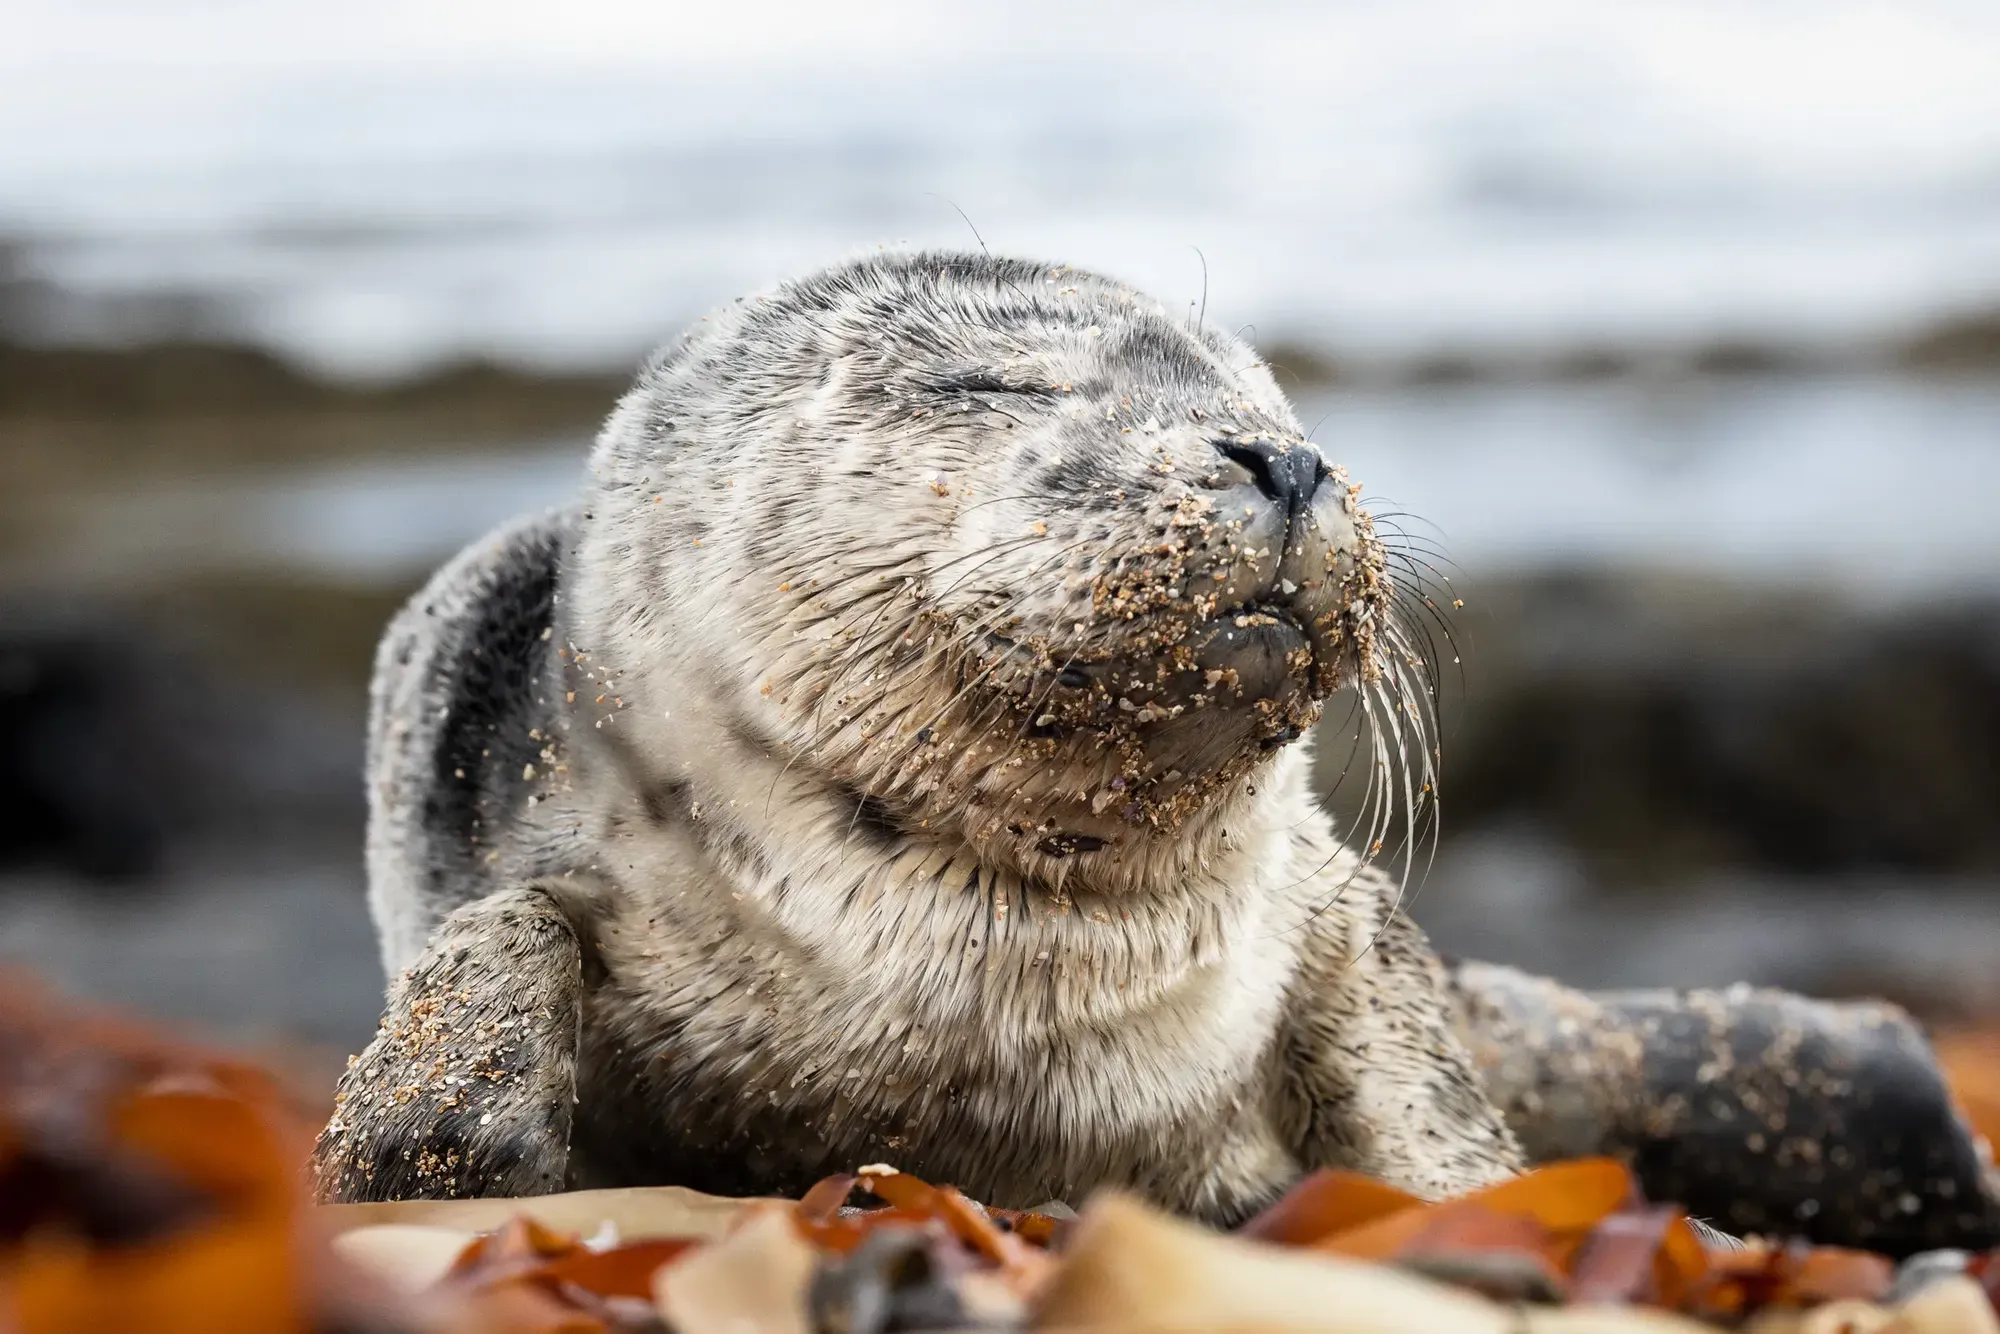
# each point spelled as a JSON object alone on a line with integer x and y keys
{"x": 1286, "y": 475}
{"x": 1256, "y": 461}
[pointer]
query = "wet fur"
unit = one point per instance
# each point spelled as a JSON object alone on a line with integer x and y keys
{"x": 746, "y": 801}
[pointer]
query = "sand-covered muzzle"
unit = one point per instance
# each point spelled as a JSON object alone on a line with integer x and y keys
{"x": 1221, "y": 610}
{"x": 1205, "y": 647}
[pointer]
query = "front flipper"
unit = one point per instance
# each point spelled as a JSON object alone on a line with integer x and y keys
{"x": 1377, "y": 1077}
{"x": 1765, "y": 1112}
{"x": 469, "y": 1085}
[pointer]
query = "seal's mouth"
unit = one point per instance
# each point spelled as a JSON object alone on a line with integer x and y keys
{"x": 1261, "y": 642}
{"x": 1261, "y": 628}
{"x": 1272, "y": 658}
{"x": 1140, "y": 733}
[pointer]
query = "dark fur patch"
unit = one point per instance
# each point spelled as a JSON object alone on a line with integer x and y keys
{"x": 872, "y": 816}
{"x": 492, "y": 672}
{"x": 666, "y": 802}
{"x": 1068, "y": 845}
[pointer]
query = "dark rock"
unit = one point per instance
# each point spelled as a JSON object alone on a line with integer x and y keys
{"x": 86, "y": 779}
{"x": 1968, "y": 342}
{"x": 1662, "y": 745}
{"x": 120, "y": 747}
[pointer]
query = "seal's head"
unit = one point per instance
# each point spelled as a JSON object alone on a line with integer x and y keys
{"x": 1006, "y": 548}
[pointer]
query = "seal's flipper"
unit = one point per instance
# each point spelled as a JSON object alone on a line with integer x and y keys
{"x": 1765, "y": 1112}
{"x": 1378, "y": 1081}
{"x": 469, "y": 1086}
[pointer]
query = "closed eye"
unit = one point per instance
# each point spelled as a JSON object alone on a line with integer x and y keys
{"x": 986, "y": 382}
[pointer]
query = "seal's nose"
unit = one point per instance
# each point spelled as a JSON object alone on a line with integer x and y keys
{"x": 1286, "y": 474}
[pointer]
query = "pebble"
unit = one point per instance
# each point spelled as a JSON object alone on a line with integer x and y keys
{"x": 1923, "y": 1269}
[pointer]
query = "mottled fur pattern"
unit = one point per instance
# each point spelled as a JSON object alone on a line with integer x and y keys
{"x": 894, "y": 756}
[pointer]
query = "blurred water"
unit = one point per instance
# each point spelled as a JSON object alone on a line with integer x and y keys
{"x": 368, "y": 523}
{"x": 1874, "y": 489}
{"x": 249, "y": 952}
{"x": 375, "y": 185}
{"x": 1506, "y": 894}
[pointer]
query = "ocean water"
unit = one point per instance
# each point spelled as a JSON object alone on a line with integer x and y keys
{"x": 1874, "y": 491}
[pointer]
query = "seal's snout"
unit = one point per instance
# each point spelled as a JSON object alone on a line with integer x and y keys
{"x": 1297, "y": 581}
{"x": 1286, "y": 474}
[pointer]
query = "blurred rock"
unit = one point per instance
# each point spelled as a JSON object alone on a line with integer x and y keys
{"x": 1966, "y": 343}
{"x": 1958, "y": 344}
{"x": 1665, "y": 733}
{"x": 121, "y": 749}
{"x": 82, "y": 779}
{"x": 191, "y": 375}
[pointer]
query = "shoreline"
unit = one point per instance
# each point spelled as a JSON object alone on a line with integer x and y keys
{"x": 205, "y": 379}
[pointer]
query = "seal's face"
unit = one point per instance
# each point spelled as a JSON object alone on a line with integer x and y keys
{"x": 1022, "y": 555}
{"x": 1179, "y": 584}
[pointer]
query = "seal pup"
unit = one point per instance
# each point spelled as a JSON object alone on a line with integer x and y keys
{"x": 897, "y": 754}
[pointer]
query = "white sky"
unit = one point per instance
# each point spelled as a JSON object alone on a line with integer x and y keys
{"x": 1816, "y": 87}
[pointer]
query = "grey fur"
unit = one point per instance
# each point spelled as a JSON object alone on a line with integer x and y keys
{"x": 886, "y": 760}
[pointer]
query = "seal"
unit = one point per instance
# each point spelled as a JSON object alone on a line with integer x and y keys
{"x": 897, "y": 754}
